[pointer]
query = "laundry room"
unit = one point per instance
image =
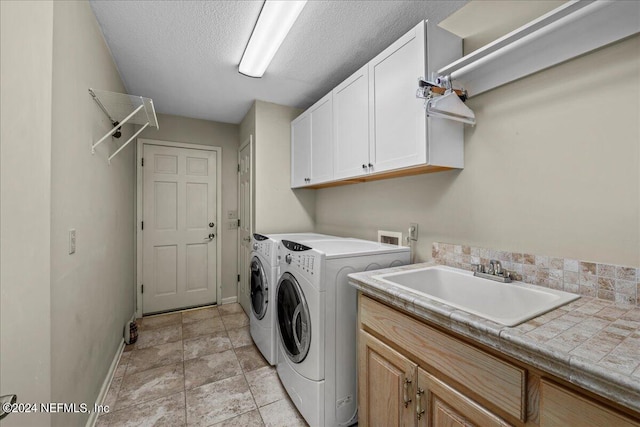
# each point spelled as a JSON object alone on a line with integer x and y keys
{"x": 320, "y": 213}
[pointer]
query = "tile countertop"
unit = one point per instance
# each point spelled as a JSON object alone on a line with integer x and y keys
{"x": 590, "y": 342}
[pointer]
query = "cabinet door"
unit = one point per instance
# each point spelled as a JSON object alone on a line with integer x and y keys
{"x": 386, "y": 388}
{"x": 322, "y": 140}
{"x": 351, "y": 126}
{"x": 300, "y": 150}
{"x": 397, "y": 118}
{"x": 438, "y": 404}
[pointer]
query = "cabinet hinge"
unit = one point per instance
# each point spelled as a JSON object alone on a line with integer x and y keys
{"x": 238, "y": 277}
{"x": 142, "y": 289}
{"x": 141, "y": 225}
{"x": 142, "y": 162}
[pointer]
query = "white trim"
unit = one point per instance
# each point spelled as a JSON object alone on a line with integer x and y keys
{"x": 139, "y": 149}
{"x": 106, "y": 384}
{"x": 229, "y": 300}
{"x": 247, "y": 142}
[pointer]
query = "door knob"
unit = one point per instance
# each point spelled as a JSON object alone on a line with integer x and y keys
{"x": 211, "y": 224}
{"x": 7, "y": 401}
{"x": 210, "y": 237}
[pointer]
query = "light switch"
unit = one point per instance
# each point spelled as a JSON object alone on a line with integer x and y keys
{"x": 72, "y": 241}
{"x": 232, "y": 225}
{"x": 232, "y": 214}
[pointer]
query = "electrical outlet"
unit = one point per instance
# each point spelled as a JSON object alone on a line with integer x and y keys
{"x": 72, "y": 241}
{"x": 232, "y": 225}
{"x": 413, "y": 231}
{"x": 232, "y": 214}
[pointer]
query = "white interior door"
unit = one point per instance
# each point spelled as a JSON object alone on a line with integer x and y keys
{"x": 180, "y": 227}
{"x": 245, "y": 215}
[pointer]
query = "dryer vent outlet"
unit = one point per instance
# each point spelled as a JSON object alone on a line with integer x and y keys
{"x": 390, "y": 237}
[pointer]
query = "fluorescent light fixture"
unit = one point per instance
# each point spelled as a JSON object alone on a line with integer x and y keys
{"x": 275, "y": 20}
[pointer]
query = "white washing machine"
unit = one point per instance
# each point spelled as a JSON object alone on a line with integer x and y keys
{"x": 316, "y": 319}
{"x": 264, "y": 278}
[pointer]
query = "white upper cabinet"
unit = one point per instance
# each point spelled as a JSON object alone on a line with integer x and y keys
{"x": 351, "y": 126}
{"x": 301, "y": 150}
{"x": 401, "y": 134}
{"x": 372, "y": 126}
{"x": 322, "y": 140}
{"x": 312, "y": 145}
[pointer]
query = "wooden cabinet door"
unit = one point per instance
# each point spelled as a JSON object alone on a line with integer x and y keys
{"x": 439, "y": 405}
{"x": 322, "y": 140}
{"x": 386, "y": 388}
{"x": 300, "y": 150}
{"x": 351, "y": 126}
{"x": 398, "y": 123}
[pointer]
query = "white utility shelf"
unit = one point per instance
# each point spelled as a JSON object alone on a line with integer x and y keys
{"x": 573, "y": 29}
{"x": 123, "y": 109}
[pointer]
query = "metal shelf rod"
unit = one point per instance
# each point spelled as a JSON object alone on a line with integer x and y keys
{"x": 129, "y": 140}
{"x": 93, "y": 147}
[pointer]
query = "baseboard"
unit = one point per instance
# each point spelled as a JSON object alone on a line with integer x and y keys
{"x": 229, "y": 300}
{"x": 91, "y": 422}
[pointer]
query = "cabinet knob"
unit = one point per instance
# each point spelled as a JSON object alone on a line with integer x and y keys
{"x": 370, "y": 165}
{"x": 364, "y": 166}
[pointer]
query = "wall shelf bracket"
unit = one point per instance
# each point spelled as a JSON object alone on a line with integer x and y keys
{"x": 123, "y": 109}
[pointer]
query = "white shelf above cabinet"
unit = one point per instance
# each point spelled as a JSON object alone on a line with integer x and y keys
{"x": 575, "y": 28}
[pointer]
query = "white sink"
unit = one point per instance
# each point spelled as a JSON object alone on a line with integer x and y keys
{"x": 506, "y": 303}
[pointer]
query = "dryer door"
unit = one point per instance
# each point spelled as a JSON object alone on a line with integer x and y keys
{"x": 293, "y": 318}
{"x": 259, "y": 289}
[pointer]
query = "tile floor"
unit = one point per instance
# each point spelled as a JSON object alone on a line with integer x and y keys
{"x": 197, "y": 368}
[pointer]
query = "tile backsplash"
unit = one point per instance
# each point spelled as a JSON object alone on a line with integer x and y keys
{"x": 606, "y": 281}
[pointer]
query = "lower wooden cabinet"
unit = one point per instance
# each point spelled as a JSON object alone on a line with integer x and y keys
{"x": 411, "y": 374}
{"x": 394, "y": 391}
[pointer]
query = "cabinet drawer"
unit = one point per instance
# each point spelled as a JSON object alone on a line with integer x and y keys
{"x": 496, "y": 381}
{"x": 562, "y": 407}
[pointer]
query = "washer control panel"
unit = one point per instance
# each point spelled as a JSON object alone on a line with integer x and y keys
{"x": 304, "y": 262}
{"x": 262, "y": 245}
{"x": 300, "y": 256}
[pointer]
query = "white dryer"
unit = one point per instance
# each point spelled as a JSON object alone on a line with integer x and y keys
{"x": 264, "y": 278}
{"x": 316, "y": 319}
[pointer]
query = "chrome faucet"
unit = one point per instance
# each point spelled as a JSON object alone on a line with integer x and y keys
{"x": 492, "y": 271}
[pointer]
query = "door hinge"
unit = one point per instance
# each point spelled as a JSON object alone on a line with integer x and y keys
{"x": 142, "y": 162}
{"x": 238, "y": 167}
{"x": 141, "y": 225}
{"x": 238, "y": 223}
{"x": 238, "y": 277}
{"x": 142, "y": 289}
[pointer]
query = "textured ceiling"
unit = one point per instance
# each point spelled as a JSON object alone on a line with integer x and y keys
{"x": 185, "y": 54}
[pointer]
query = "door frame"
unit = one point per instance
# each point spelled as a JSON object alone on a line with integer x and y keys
{"x": 139, "y": 235}
{"x": 252, "y": 148}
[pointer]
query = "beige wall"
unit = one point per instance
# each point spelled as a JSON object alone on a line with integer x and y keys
{"x": 552, "y": 167}
{"x": 278, "y": 208}
{"x": 25, "y": 206}
{"x": 91, "y": 290}
{"x": 225, "y": 135}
